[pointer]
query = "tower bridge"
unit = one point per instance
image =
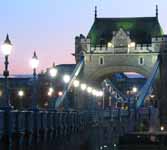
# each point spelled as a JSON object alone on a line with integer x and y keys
{"x": 112, "y": 45}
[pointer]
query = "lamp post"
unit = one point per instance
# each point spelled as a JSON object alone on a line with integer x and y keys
{"x": 20, "y": 94}
{"x": 66, "y": 79}
{"x": 6, "y": 50}
{"x": 34, "y": 62}
{"x": 52, "y": 74}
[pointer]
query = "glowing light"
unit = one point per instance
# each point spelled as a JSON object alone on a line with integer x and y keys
{"x": 76, "y": 83}
{"x": 46, "y": 104}
{"x": 83, "y": 86}
{"x": 94, "y": 92}
{"x": 109, "y": 45}
{"x": 131, "y": 45}
{"x": 53, "y": 72}
{"x": 20, "y": 93}
{"x": 50, "y": 92}
{"x": 0, "y": 93}
{"x": 34, "y": 62}
{"x": 66, "y": 78}
{"x": 162, "y": 128}
{"x": 60, "y": 93}
{"x": 101, "y": 93}
{"x": 134, "y": 89}
{"x": 89, "y": 89}
{"x": 51, "y": 89}
{"x": 6, "y": 47}
{"x": 152, "y": 96}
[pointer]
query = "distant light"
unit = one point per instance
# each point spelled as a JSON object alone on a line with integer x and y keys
{"x": 105, "y": 146}
{"x": 60, "y": 93}
{"x": 66, "y": 78}
{"x": 101, "y": 93}
{"x": 131, "y": 45}
{"x": 109, "y": 45}
{"x": 53, "y": 72}
{"x": 134, "y": 89}
{"x": 98, "y": 93}
{"x": 83, "y": 86}
{"x": 94, "y": 92}
{"x": 0, "y": 93}
{"x": 89, "y": 89}
{"x": 46, "y": 104}
{"x": 51, "y": 89}
{"x": 162, "y": 128}
{"x": 115, "y": 145}
{"x": 49, "y": 93}
{"x": 76, "y": 83}
{"x": 20, "y": 93}
{"x": 34, "y": 62}
{"x": 152, "y": 96}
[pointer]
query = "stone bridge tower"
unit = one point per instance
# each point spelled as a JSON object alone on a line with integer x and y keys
{"x": 118, "y": 45}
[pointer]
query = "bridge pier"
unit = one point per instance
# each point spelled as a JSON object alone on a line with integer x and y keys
{"x": 163, "y": 82}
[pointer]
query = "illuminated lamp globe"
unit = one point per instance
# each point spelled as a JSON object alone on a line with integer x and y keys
{"x": 83, "y": 86}
{"x": 20, "y": 93}
{"x": 89, "y": 89}
{"x": 6, "y": 47}
{"x": 76, "y": 83}
{"x": 134, "y": 89}
{"x": 51, "y": 89}
{"x": 34, "y": 62}
{"x": 66, "y": 78}
{"x": 53, "y": 72}
{"x": 94, "y": 92}
{"x": 60, "y": 93}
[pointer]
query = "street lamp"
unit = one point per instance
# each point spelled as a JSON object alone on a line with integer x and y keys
{"x": 6, "y": 50}
{"x": 34, "y": 62}
{"x": 83, "y": 86}
{"x": 66, "y": 78}
{"x": 53, "y": 71}
{"x": 76, "y": 83}
{"x": 20, "y": 93}
{"x": 50, "y": 92}
{"x": 134, "y": 89}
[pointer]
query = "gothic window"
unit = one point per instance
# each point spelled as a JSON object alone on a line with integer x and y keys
{"x": 141, "y": 61}
{"x": 101, "y": 60}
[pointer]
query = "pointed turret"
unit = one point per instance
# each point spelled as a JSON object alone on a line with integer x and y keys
{"x": 157, "y": 11}
{"x": 95, "y": 12}
{"x": 7, "y": 40}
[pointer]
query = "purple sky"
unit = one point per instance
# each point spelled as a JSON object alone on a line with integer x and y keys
{"x": 50, "y": 26}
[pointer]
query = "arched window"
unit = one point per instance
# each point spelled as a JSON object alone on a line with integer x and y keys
{"x": 141, "y": 61}
{"x": 101, "y": 60}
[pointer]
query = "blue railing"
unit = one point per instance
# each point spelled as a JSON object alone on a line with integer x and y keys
{"x": 146, "y": 89}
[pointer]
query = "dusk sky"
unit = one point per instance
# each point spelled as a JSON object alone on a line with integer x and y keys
{"x": 50, "y": 26}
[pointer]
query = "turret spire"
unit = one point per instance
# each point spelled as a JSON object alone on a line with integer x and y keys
{"x": 95, "y": 12}
{"x": 157, "y": 11}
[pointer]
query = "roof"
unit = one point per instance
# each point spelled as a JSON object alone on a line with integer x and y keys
{"x": 141, "y": 29}
{"x": 66, "y": 68}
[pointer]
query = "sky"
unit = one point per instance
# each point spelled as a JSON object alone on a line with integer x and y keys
{"x": 49, "y": 27}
